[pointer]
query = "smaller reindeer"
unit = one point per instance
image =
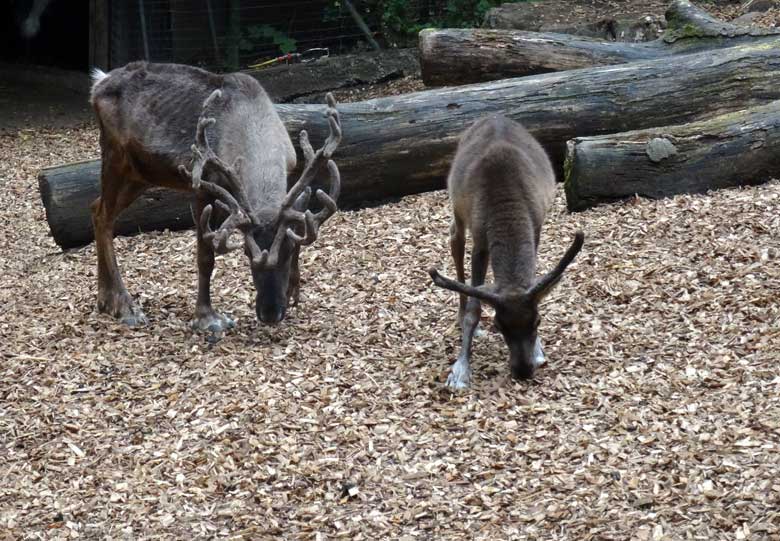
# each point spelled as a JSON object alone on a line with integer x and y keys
{"x": 500, "y": 186}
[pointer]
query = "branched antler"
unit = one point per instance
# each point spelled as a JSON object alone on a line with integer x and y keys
{"x": 314, "y": 162}
{"x": 232, "y": 200}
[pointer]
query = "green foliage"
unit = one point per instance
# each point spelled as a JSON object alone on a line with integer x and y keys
{"x": 400, "y": 20}
{"x": 466, "y": 13}
{"x": 253, "y": 35}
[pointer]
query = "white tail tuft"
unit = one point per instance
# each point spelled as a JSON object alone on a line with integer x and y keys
{"x": 98, "y": 75}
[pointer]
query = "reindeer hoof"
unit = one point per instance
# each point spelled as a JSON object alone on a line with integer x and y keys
{"x": 122, "y": 307}
{"x": 460, "y": 377}
{"x": 213, "y": 324}
{"x": 135, "y": 319}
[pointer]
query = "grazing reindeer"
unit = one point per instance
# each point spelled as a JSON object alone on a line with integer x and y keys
{"x": 149, "y": 114}
{"x": 500, "y": 186}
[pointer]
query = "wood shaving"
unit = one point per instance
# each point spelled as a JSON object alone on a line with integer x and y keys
{"x": 657, "y": 417}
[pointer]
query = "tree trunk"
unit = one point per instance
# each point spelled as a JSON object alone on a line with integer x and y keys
{"x": 404, "y": 144}
{"x": 305, "y": 82}
{"x": 462, "y": 56}
{"x": 734, "y": 149}
{"x": 68, "y": 191}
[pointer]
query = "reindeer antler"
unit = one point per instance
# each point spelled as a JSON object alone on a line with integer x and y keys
{"x": 314, "y": 162}
{"x": 235, "y": 203}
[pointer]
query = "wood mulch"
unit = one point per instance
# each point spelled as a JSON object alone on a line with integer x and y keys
{"x": 656, "y": 418}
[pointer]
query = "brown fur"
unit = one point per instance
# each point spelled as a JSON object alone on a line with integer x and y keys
{"x": 148, "y": 114}
{"x": 501, "y": 185}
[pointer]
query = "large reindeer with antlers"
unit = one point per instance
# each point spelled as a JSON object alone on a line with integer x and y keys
{"x": 501, "y": 185}
{"x": 149, "y": 115}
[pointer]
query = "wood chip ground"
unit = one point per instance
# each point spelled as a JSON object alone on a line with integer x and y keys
{"x": 657, "y": 417}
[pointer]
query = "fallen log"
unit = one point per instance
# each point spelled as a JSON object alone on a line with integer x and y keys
{"x": 634, "y": 30}
{"x": 735, "y": 149}
{"x": 403, "y": 144}
{"x": 557, "y": 16}
{"x": 303, "y": 83}
{"x": 68, "y": 191}
{"x": 463, "y": 56}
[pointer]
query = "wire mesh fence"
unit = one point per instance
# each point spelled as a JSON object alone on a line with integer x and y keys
{"x": 236, "y": 34}
{"x": 229, "y": 35}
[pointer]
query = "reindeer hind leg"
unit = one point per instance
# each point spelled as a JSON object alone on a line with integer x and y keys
{"x": 113, "y": 298}
{"x": 458, "y": 248}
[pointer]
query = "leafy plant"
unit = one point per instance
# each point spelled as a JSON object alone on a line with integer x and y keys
{"x": 264, "y": 33}
{"x": 400, "y": 20}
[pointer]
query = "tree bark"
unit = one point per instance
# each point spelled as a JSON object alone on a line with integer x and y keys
{"x": 68, "y": 191}
{"x": 735, "y": 149}
{"x": 306, "y": 82}
{"x": 404, "y": 144}
{"x": 463, "y": 56}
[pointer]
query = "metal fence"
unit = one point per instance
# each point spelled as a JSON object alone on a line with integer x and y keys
{"x": 234, "y": 34}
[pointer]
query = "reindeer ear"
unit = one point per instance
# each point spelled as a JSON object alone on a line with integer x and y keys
{"x": 546, "y": 283}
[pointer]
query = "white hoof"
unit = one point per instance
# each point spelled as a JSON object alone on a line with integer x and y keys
{"x": 538, "y": 358}
{"x": 460, "y": 376}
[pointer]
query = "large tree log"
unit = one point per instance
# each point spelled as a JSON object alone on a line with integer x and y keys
{"x": 404, "y": 144}
{"x": 302, "y": 83}
{"x": 734, "y": 149}
{"x": 462, "y": 56}
{"x": 68, "y": 191}
{"x": 555, "y": 15}
{"x": 646, "y": 28}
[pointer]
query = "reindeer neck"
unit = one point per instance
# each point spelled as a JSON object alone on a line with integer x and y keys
{"x": 512, "y": 245}
{"x": 262, "y": 171}
{"x": 265, "y": 183}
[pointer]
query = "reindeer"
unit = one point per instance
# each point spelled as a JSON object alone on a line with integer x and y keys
{"x": 501, "y": 185}
{"x": 148, "y": 115}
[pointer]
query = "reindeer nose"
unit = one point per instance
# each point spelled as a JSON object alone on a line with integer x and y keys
{"x": 523, "y": 371}
{"x": 270, "y": 315}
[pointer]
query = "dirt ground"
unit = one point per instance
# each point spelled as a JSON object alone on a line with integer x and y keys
{"x": 24, "y": 106}
{"x": 567, "y": 12}
{"x": 657, "y": 417}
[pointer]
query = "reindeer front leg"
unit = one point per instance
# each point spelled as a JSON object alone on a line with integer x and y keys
{"x": 460, "y": 374}
{"x": 206, "y": 318}
{"x": 294, "y": 286}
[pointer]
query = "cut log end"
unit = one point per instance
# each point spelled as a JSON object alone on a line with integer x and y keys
{"x": 736, "y": 149}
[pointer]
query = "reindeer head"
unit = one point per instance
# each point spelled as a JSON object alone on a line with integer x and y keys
{"x": 271, "y": 237}
{"x": 517, "y": 310}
